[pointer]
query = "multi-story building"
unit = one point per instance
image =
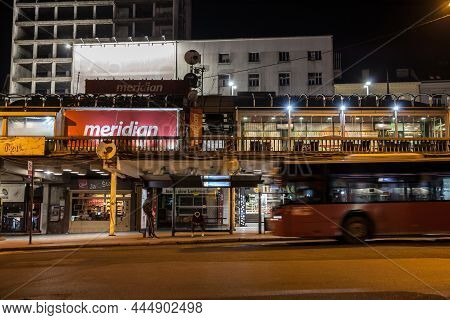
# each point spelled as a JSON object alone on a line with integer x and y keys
{"x": 44, "y": 32}
{"x": 281, "y": 66}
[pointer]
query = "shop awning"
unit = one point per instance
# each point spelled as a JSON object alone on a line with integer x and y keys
{"x": 172, "y": 181}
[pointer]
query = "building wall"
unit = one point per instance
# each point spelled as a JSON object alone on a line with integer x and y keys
{"x": 268, "y": 68}
{"x": 165, "y": 60}
{"x": 43, "y": 34}
{"x": 396, "y": 88}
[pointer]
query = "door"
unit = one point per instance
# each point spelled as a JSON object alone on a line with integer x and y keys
{"x": 123, "y": 215}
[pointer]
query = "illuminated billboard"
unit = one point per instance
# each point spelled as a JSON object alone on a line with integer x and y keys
{"x": 151, "y": 61}
{"x": 121, "y": 123}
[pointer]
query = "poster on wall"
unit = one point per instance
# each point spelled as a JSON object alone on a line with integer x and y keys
{"x": 121, "y": 123}
{"x": 196, "y": 125}
{"x": 12, "y": 192}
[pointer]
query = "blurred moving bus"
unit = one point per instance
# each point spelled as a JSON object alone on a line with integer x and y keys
{"x": 358, "y": 201}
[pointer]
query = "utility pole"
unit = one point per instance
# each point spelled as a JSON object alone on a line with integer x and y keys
{"x": 30, "y": 201}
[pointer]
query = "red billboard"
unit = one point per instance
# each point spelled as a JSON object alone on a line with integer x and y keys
{"x": 121, "y": 123}
{"x": 154, "y": 87}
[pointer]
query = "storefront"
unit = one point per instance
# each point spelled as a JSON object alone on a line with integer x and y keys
{"x": 89, "y": 206}
{"x": 275, "y": 124}
{"x": 13, "y": 209}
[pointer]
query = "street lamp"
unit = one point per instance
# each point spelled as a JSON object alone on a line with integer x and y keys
{"x": 367, "y": 86}
{"x": 233, "y": 87}
{"x": 396, "y": 109}
{"x": 289, "y": 109}
{"x": 342, "y": 115}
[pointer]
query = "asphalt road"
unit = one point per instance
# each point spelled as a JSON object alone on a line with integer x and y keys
{"x": 399, "y": 270}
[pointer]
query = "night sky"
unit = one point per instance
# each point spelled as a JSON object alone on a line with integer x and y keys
{"x": 358, "y": 28}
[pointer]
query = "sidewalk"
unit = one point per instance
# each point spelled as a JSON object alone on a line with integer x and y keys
{"x": 95, "y": 240}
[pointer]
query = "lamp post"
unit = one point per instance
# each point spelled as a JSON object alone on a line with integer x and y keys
{"x": 233, "y": 87}
{"x": 342, "y": 116}
{"x": 367, "y": 87}
{"x": 396, "y": 108}
{"x": 289, "y": 109}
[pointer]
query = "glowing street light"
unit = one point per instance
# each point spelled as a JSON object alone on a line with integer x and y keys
{"x": 367, "y": 87}
{"x": 233, "y": 87}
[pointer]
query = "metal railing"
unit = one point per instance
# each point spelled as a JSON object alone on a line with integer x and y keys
{"x": 406, "y": 100}
{"x": 254, "y": 146}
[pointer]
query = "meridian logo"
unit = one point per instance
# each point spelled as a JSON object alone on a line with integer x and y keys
{"x": 141, "y": 87}
{"x": 131, "y": 130}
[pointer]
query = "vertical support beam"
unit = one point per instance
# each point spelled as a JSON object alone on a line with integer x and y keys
{"x": 259, "y": 210}
{"x": 232, "y": 209}
{"x": 447, "y": 125}
{"x": 4, "y": 127}
{"x": 396, "y": 124}
{"x": 174, "y": 206}
{"x": 112, "y": 204}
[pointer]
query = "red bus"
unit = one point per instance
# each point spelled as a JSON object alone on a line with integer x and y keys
{"x": 359, "y": 201}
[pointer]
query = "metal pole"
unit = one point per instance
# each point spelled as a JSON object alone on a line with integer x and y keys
{"x": 396, "y": 124}
{"x": 259, "y": 211}
{"x": 232, "y": 211}
{"x": 113, "y": 204}
{"x": 174, "y": 205}
{"x": 343, "y": 124}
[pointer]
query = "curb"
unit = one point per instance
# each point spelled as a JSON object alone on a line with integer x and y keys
{"x": 144, "y": 244}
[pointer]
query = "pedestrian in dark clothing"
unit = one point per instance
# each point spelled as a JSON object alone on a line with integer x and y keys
{"x": 148, "y": 210}
{"x": 198, "y": 220}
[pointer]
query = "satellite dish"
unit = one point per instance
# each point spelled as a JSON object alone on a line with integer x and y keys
{"x": 192, "y": 57}
{"x": 106, "y": 150}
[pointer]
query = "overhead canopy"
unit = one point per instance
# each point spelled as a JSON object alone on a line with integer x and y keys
{"x": 172, "y": 181}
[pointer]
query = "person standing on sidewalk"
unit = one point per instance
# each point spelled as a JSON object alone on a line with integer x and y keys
{"x": 198, "y": 220}
{"x": 148, "y": 210}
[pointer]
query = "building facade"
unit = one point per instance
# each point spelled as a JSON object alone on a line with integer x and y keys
{"x": 280, "y": 66}
{"x": 44, "y": 32}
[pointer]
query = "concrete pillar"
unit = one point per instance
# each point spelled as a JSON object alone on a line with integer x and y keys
{"x": 45, "y": 208}
{"x": 112, "y": 204}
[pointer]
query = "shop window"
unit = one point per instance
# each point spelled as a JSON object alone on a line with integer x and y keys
{"x": 31, "y": 126}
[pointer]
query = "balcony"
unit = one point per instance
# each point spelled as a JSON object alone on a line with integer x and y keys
{"x": 218, "y": 147}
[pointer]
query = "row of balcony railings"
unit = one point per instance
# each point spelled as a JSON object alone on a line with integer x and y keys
{"x": 250, "y": 100}
{"x": 231, "y": 145}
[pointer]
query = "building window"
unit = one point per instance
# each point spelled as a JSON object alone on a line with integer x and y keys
{"x": 253, "y": 80}
{"x": 253, "y": 57}
{"x": 224, "y": 58}
{"x": 314, "y": 79}
{"x": 285, "y": 79}
{"x": 224, "y": 80}
{"x": 314, "y": 55}
{"x": 284, "y": 57}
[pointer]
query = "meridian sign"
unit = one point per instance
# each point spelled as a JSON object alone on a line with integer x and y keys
{"x": 121, "y": 123}
{"x": 155, "y": 87}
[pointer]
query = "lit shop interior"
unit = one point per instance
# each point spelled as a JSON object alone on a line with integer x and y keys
{"x": 303, "y": 126}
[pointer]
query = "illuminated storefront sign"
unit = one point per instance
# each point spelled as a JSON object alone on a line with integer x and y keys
{"x": 22, "y": 146}
{"x": 125, "y": 123}
{"x": 156, "y": 87}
